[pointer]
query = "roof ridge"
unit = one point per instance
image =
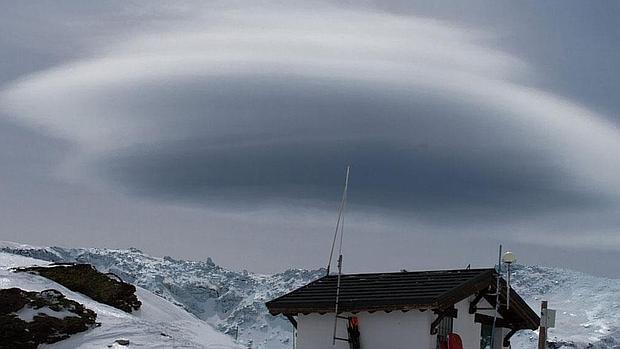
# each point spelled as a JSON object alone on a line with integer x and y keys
{"x": 411, "y": 272}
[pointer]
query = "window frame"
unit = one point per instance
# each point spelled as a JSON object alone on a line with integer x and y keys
{"x": 445, "y": 327}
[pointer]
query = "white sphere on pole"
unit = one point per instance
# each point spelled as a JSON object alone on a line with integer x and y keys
{"x": 509, "y": 258}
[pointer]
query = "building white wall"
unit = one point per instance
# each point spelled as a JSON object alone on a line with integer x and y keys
{"x": 315, "y": 331}
{"x": 379, "y": 330}
{"x": 395, "y": 330}
{"x": 465, "y": 327}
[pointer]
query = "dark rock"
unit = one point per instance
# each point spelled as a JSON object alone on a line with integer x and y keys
{"x": 19, "y": 334}
{"x": 85, "y": 279}
{"x": 122, "y": 341}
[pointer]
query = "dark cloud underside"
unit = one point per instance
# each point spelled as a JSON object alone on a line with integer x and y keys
{"x": 253, "y": 138}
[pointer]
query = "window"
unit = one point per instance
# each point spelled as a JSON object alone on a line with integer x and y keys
{"x": 485, "y": 336}
{"x": 443, "y": 330}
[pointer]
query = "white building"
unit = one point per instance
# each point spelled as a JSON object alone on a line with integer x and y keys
{"x": 405, "y": 310}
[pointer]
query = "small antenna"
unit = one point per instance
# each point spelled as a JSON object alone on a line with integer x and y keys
{"x": 497, "y": 292}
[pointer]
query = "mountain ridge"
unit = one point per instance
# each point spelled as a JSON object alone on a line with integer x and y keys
{"x": 233, "y": 302}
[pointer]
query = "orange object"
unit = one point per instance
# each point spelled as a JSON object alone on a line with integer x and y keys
{"x": 454, "y": 341}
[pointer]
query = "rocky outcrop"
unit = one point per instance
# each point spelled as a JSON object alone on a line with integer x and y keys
{"x": 85, "y": 279}
{"x": 28, "y": 319}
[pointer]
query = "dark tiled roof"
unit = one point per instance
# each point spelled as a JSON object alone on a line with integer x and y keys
{"x": 436, "y": 290}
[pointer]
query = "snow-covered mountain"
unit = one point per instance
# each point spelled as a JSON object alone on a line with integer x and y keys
{"x": 233, "y": 302}
{"x": 158, "y": 323}
{"x": 588, "y": 307}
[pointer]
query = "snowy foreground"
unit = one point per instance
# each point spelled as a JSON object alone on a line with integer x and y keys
{"x": 158, "y": 323}
{"x": 588, "y": 307}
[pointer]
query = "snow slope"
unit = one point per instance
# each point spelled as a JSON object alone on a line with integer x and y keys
{"x": 158, "y": 324}
{"x": 233, "y": 302}
{"x": 588, "y": 307}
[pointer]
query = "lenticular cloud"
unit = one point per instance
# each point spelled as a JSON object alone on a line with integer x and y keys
{"x": 272, "y": 100}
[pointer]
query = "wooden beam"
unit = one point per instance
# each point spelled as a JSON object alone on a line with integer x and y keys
{"x": 542, "y": 332}
{"x": 292, "y": 320}
{"x": 486, "y": 319}
{"x": 451, "y": 312}
{"x": 509, "y": 335}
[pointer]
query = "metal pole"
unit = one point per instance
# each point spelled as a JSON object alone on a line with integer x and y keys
{"x": 542, "y": 332}
{"x": 340, "y": 209}
{"x": 508, "y": 287}
{"x": 337, "y": 296}
{"x": 497, "y": 291}
{"x": 339, "y": 225}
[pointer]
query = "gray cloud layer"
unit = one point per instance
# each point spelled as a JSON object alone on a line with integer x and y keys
{"x": 252, "y": 107}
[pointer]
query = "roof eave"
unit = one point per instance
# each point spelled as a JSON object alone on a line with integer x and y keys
{"x": 294, "y": 311}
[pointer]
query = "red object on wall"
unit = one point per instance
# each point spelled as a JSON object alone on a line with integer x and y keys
{"x": 454, "y": 341}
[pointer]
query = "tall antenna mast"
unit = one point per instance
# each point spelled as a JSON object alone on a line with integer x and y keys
{"x": 340, "y": 221}
{"x": 339, "y": 230}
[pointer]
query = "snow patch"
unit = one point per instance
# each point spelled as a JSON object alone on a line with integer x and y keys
{"x": 27, "y": 313}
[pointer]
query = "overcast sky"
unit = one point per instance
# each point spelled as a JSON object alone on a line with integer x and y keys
{"x": 222, "y": 129}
